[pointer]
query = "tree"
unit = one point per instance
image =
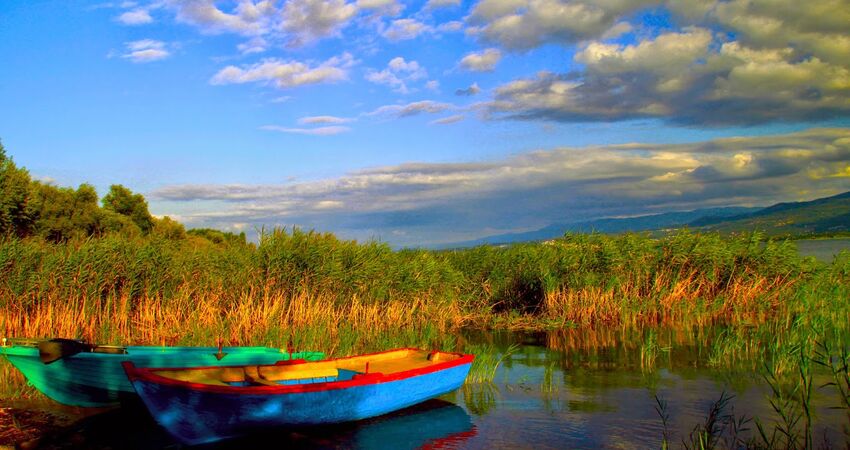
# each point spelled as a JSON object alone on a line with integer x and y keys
{"x": 218, "y": 237}
{"x": 14, "y": 195}
{"x": 60, "y": 214}
{"x": 169, "y": 229}
{"x": 122, "y": 201}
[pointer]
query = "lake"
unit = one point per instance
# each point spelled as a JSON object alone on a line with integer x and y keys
{"x": 823, "y": 249}
{"x": 560, "y": 389}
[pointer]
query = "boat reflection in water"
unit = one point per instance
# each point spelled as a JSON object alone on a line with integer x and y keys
{"x": 433, "y": 424}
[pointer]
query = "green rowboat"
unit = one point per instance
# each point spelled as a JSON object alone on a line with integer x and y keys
{"x": 80, "y": 374}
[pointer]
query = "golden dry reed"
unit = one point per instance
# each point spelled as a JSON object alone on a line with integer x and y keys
{"x": 321, "y": 293}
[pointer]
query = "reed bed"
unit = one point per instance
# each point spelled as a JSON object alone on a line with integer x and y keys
{"x": 319, "y": 292}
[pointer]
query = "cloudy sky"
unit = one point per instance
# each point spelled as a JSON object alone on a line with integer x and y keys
{"x": 426, "y": 122}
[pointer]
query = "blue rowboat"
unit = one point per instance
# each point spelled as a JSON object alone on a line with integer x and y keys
{"x": 199, "y": 405}
{"x": 79, "y": 374}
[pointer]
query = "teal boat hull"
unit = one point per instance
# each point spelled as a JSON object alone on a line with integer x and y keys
{"x": 92, "y": 379}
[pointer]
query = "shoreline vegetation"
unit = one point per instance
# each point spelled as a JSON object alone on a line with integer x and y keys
{"x": 114, "y": 274}
{"x": 343, "y": 297}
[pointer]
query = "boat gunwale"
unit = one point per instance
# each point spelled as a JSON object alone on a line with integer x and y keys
{"x": 149, "y": 374}
{"x": 143, "y": 350}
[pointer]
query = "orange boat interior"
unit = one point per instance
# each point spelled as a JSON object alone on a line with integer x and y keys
{"x": 287, "y": 373}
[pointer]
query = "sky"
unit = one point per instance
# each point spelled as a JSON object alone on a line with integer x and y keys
{"x": 423, "y": 123}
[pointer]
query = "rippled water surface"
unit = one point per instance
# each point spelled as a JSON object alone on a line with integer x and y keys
{"x": 560, "y": 389}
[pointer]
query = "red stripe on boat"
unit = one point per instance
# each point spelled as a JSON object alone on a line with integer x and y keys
{"x": 147, "y": 374}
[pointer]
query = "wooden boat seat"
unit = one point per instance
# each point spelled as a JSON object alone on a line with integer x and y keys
{"x": 110, "y": 349}
{"x": 314, "y": 372}
{"x": 253, "y": 376}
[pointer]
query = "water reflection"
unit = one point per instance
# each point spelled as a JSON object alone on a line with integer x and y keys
{"x": 592, "y": 388}
{"x": 587, "y": 388}
{"x": 433, "y": 424}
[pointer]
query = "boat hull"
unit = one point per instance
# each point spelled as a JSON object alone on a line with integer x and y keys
{"x": 97, "y": 379}
{"x": 198, "y": 416}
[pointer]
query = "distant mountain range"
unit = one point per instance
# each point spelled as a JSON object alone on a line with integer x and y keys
{"x": 825, "y": 215}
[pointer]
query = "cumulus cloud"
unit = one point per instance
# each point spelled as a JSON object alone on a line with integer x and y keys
{"x": 525, "y": 24}
{"x": 685, "y": 77}
{"x": 437, "y": 4}
{"x": 484, "y": 61}
{"x": 318, "y": 131}
{"x": 473, "y": 89}
{"x": 819, "y": 29}
{"x": 137, "y": 16}
{"x": 246, "y": 18}
{"x": 286, "y": 74}
{"x": 310, "y": 20}
{"x": 454, "y": 201}
{"x": 398, "y": 73}
{"x": 145, "y": 50}
{"x": 411, "y": 109}
{"x": 381, "y": 7}
{"x": 297, "y": 22}
{"x": 405, "y": 29}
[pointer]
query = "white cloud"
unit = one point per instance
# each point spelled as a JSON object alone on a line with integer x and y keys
{"x": 685, "y": 77}
{"x": 436, "y": 4}
{"x": 145, "y": 50}
{"x": 135, "y": 17}
{"x": 319, "y": 131}
{"x": 405, "y": 29}
{"x": 412, "y": 109}
{"x": 484, "y": 61}
{"x": 450, "y": 27}
{"x": 398, "y": 73}
{"x": 538, "y": 188}
{"x": 309, "y": 20}
{"x": 312, "y": 120}
{"x": 448, "y": 120}
{"x": 247, "y": 18}
{"x": 254, "y": 45}
{"x": 287, "y": 74}
{"x": 473, "y": 89}
{"x": 525, "y": 24}
{"x": 381, "y": 7}
{"x": 667, "y": 53}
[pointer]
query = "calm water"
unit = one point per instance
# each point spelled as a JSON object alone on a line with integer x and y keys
{"x": 823, "y": 249}
{"x": 567, "y": 389}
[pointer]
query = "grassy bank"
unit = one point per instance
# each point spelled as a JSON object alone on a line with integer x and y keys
{"x": 340, "y": 297}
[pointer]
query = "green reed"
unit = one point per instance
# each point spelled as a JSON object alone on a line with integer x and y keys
{"x": 339, "y": 296}
{"x": 487, "y": 362}
{"x": 790, "y": 398}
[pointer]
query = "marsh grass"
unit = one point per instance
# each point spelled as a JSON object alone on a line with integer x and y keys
{"x": 790, "y": 397}
{"x": 343, "y": 297}
{"x": 649, "y": 350}
{"x": 487, "y": 362}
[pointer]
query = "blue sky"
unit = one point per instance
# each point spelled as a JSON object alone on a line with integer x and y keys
{"x": 422, "y": 123}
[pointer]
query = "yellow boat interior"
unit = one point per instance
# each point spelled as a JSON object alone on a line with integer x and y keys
{"x": 285, "y": 373}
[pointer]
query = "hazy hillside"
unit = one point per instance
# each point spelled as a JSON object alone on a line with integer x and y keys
{"x": 613, "y": 225}
{"x": 824, "y": 215}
